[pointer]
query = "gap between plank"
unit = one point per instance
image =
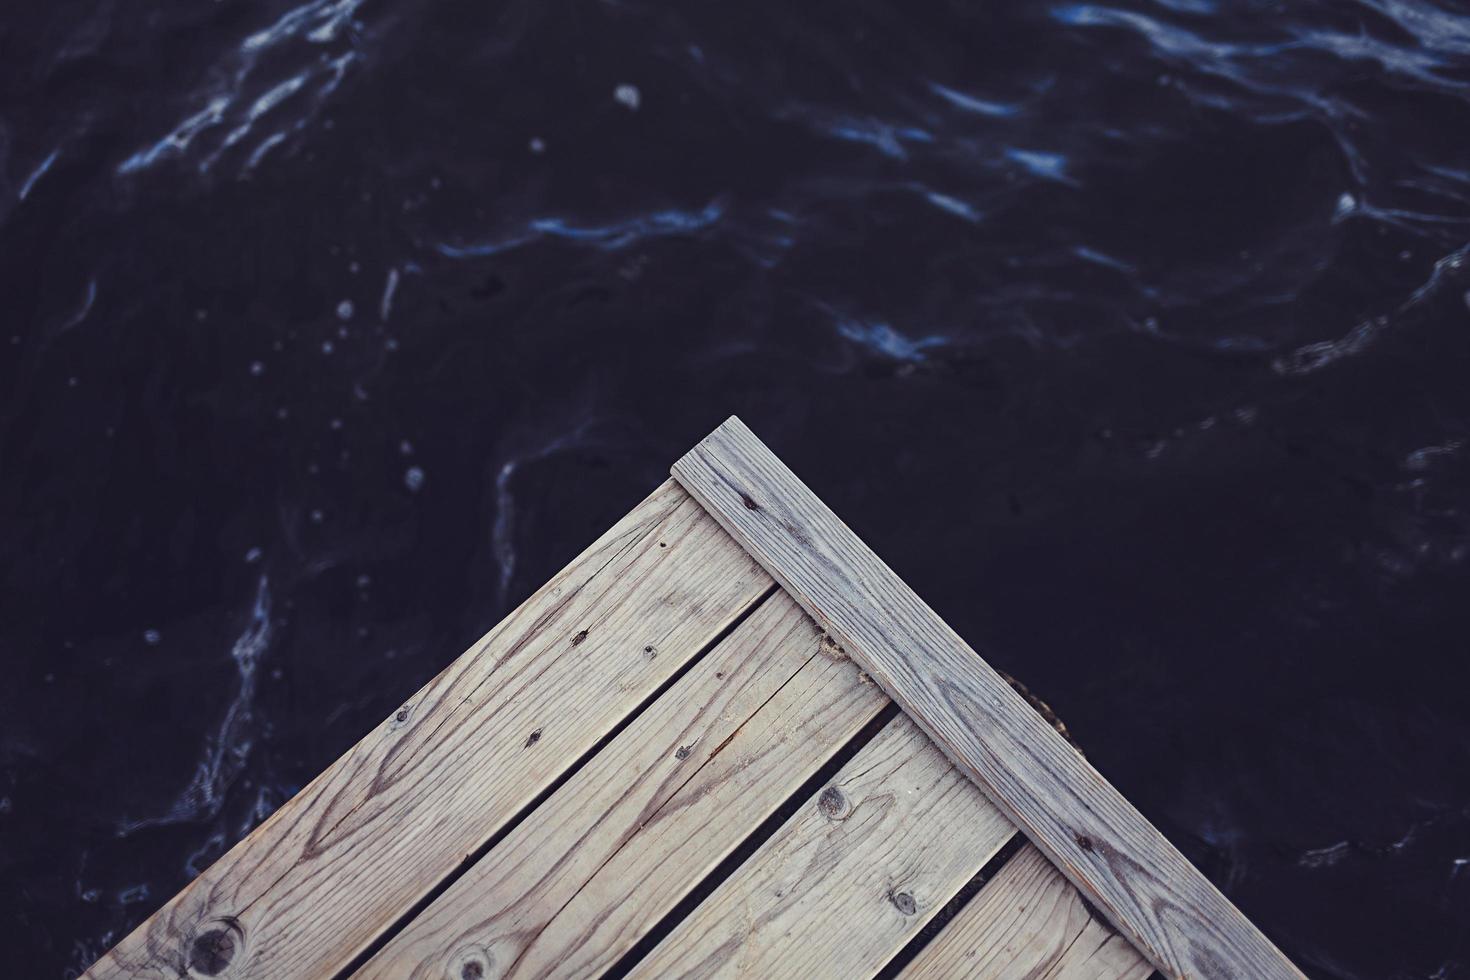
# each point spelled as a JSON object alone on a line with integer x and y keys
{"x": 470, "y": 860}
{"x": 752, "y": 842}
{"x": 942, "y": 918}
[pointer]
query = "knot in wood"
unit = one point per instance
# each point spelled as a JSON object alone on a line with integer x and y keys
{"x": 834, "y": 804}
{"x": 472, "y": 963}
{"x": 904, "y": 902}
{"x": 214, "y": 949}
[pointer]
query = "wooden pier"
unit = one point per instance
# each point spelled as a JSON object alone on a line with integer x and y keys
{"x": 725, "y": 740}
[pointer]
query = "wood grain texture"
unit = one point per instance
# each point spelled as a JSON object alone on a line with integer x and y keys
{"x": 1146, "y": 888}
{"x": 1027, "y": 923}
{"x": 354, "y": 850}
{"x": 600, "y": 862}
{"x": 846, "y": 882}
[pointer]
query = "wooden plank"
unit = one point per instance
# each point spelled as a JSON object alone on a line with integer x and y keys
{"x": 338, "y": 863}
{"x": 1145, "y": 887}
{"x": 850, "y": 878}
{"x": 576, "y": 884}
{"x": 1027, "y": 923}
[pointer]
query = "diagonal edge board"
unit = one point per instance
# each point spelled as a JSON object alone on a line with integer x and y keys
{"x": 1141, "y": 883}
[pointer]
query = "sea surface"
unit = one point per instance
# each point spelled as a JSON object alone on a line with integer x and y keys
{"x": 1136, "y": 336}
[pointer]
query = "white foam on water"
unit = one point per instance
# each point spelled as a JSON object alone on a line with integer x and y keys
{"x": 228, "y": 748}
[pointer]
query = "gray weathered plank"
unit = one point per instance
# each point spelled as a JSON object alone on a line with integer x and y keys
{"x": 850, "y": 878}
{"x": 1140, "y": 881}
{"x": 600, "y": 862}
{"x": 338, "y": 863}
{"x": 1027, "y": 923}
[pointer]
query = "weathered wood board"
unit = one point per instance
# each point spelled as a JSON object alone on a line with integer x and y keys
{"x": 617, "y": 847}
{"x": 341, "y": 861}
{"x": 1146, "y": 888}
{"x": 1027, "y": 923}
{"x": 850, "y": 878}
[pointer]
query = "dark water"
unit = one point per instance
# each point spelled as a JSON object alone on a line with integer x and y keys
{"x": 1135, "y": 336}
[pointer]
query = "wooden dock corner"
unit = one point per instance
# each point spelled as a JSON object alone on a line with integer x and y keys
{"x": 726, "y": 739}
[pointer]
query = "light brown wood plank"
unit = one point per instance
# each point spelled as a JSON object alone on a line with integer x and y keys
{"x": 338, "y": 863}
{"x": 577, "y": 883}
{"x": 1027, "y": 923}
{"x": 850, "y": 878}
{"x": 1140, "y": 881}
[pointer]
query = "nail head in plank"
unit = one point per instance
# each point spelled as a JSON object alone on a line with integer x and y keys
{"x": 851, "y": 877}
{"x": 1027, "y": 922}
{"x": 341, "y": 861}
{"x": 1140, "y": 881}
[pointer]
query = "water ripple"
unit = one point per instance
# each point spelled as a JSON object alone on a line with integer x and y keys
{"x": 38, "y": 173}
{"x": 249, "y": 87}
{"x": 971, "y": 103}
{"x": 1313, "y": 357}
{"x": 611, "y": 237}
